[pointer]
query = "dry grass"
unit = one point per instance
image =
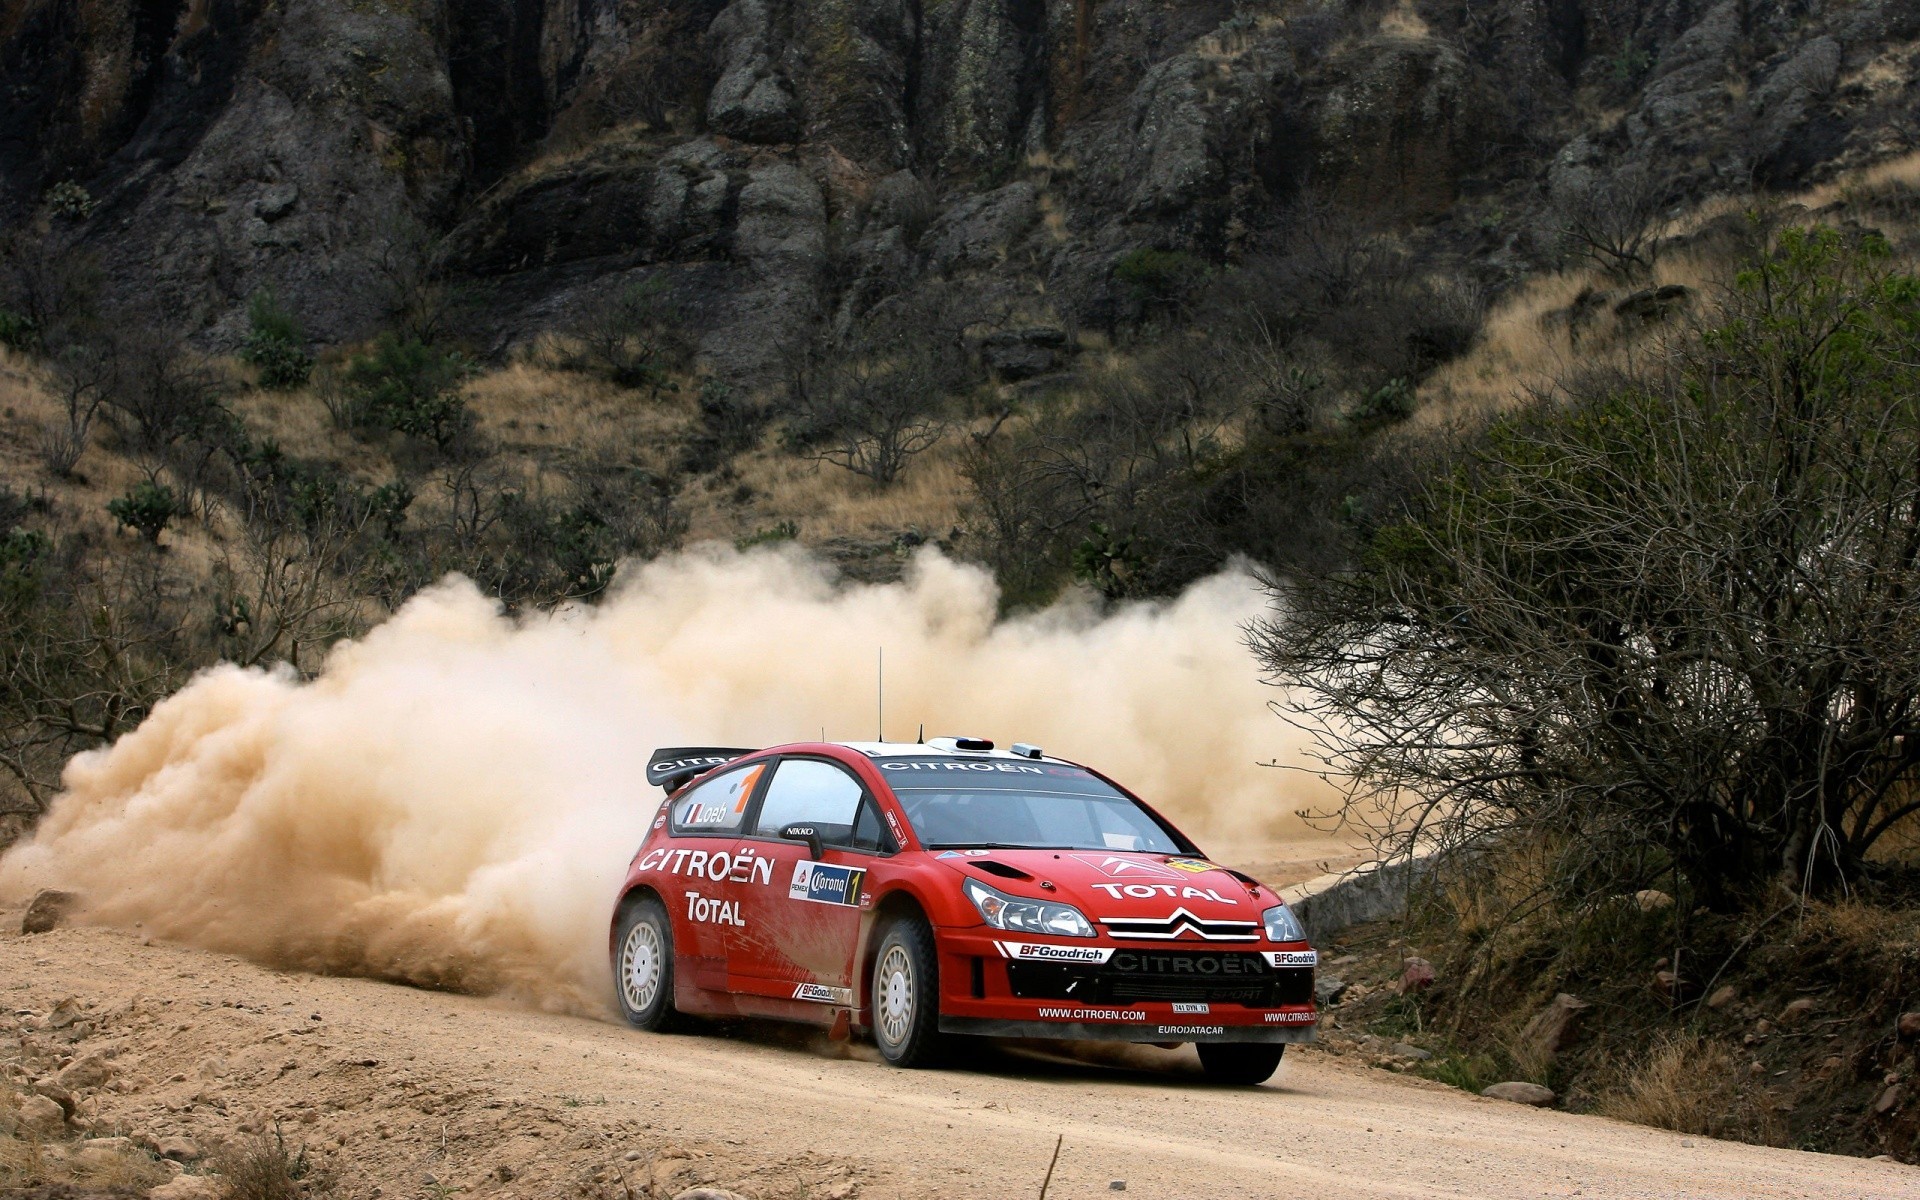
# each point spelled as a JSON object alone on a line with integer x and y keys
{"x": 27, "y": 1161}
{"x": 263, "y": 1168}
{"x": 1692, "y": 1084}
{"x": 827, "y": 501}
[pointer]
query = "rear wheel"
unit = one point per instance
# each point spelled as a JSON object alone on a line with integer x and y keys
{"x": 906, "y": 996}
{"x": 643, "y": 967}
{"x": 1242, "y": 1063}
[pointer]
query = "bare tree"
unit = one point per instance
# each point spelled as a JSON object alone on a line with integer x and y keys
{"x": 874, "y": 403}
{"x": 1612, "y": 218}
{"x": 82, "y": 376}
{"x": 1667, "y": 631}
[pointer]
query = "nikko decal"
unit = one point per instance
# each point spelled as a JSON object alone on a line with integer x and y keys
{"x": 1041, "y": 952}
{"x": 1293, "y": 958}
{"x": 1125, "y": 868}
{"x": 713, "y": 912}
{"x": 1192, "y": 866}
{"x": 1291, "y": 1018}
{"x": 824, "y": 883}
{"x": 746, "y": 866}
{"x": 1195, "y": 1010}
{"x": 820, "y": 993}
{"x": 1147, "y": 891}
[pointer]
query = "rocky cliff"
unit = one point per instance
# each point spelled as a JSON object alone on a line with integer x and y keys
{"x": 786, "y": 164}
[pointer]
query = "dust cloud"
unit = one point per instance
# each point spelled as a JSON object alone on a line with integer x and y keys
{"x": 454, "y": 800}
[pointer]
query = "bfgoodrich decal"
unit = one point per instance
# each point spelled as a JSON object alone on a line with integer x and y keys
{"x": 1041, "y": 952}
{"x": 820, "y": 993}
{"x": 824, "y": 883}
{"x": 1293, "y": 958}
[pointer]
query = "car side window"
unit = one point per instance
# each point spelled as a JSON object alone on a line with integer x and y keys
{"x": 808, "y": 791}
{"x": 717, "y": 805}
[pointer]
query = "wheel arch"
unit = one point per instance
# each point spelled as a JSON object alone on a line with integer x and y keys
{"x": 632, "y": 896}
{"x": 896, "y": 905}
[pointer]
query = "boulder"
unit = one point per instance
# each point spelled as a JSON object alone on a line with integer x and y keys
{"x": 48, "y": 911}
{"x": 1889, "y": 1099}
{"x": 708, "y": 1193}
{"x": 88, "y": 1071}
{"x": 1520, "y": 1092}
{"x": 1416, "y": 974}
{"x": 1016, "y": 354}
{"x": 1723, "y": 995}
{"x": 1649, "y": 899}
{"x": 1327, "y": 990}
{"x": 55, "y": 1093}
{"x": 42, "y": 1117}
{"x": 179, "y": 1149}
{"x": 752, "y": 100}
{"x": 1552, "y": 1028}
{"x": 189, "y": 1187}
{"x": 1909, "y": 1025}
{"x": 1796, "y": 1011}
{"x": 1648, "y": 306}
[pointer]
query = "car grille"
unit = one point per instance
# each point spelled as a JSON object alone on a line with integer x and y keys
{"x": 1202, "y": 977}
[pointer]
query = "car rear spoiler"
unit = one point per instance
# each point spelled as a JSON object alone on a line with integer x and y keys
{"x": 673, "y": 766}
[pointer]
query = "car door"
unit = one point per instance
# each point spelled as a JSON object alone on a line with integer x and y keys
{"x": 803, "y": 926}
{"x": 705, "y": 822}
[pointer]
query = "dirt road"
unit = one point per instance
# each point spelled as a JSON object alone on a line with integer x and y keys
{"x": 416, "y": 1092}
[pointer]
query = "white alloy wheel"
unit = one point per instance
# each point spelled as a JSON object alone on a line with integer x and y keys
{"x": 640, "y": 962}
{"x": 896, "y": 995}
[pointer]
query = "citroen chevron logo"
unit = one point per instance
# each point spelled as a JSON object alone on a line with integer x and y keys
{"x": 1121, "y": 868}
{"x": 1180, "y": 922}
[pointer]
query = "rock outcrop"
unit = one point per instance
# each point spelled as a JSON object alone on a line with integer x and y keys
{"x": 786, "y": 164}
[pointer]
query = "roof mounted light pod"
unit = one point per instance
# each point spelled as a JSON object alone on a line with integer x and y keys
{"x": 1027, "y": 750}
{"x": 972, "y": 743}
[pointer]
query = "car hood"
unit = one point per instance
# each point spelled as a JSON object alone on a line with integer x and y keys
{"x": 1128, "y": 895}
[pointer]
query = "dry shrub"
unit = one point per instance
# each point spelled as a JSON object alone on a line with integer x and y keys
{"x": 262, "y": 1168}
{"x": 27, "y": 1161}
{"x": 1693, "y": 1084}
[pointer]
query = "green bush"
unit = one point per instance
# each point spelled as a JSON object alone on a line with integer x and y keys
{"x": 70, "y": 200}
{"x": 410, "y": 387}
{"x": 146, "y": 509}
{"x": 276, "y": 345}
{"x": 18, "y": 331}
{"x": 1154, "y": 278}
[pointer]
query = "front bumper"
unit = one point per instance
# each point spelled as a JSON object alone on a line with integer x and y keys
{"x": 1175, "y": 1029}
{"x": 1104, "y": 991}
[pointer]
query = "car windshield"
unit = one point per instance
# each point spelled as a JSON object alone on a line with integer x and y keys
{"x": 971, "y": 803}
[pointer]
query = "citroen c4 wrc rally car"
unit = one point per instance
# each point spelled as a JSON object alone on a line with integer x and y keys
{"x": 925, "y": 890}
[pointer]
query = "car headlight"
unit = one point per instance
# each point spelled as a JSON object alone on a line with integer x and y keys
{"x": 1282, "y": 925}
{"x": 1027, "y": 916}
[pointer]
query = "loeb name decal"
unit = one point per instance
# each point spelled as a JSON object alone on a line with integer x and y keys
{"x": 824, "y": 883}
{"x": 1293, "y": 958}
{"x": 1039, "y": 951}
{"x": 1147, "y": 891}
{"x": 820, "y": 993}
{"x": 713, "y": 912}
{"x": 744, "y": 867}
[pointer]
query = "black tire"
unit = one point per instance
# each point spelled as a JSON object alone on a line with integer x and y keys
{"x": 643, "y": 967}
{"x": 906, "y": 996}
{"x": 1240, "y": 1063}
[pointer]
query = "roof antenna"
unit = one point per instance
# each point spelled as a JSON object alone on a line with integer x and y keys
{"x": 922, "y": 739}
{"x": 880, "y": 699}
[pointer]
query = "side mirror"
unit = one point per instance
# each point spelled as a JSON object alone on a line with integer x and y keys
{"x": 807, "y": 834}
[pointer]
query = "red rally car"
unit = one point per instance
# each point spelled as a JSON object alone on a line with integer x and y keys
{"x": 926, "y": 890}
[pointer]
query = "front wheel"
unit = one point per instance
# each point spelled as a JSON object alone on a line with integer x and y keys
{"x": 906, "y": 996}
{"x": 1243, "y": 1063}
{"x": 643, "y": 967}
